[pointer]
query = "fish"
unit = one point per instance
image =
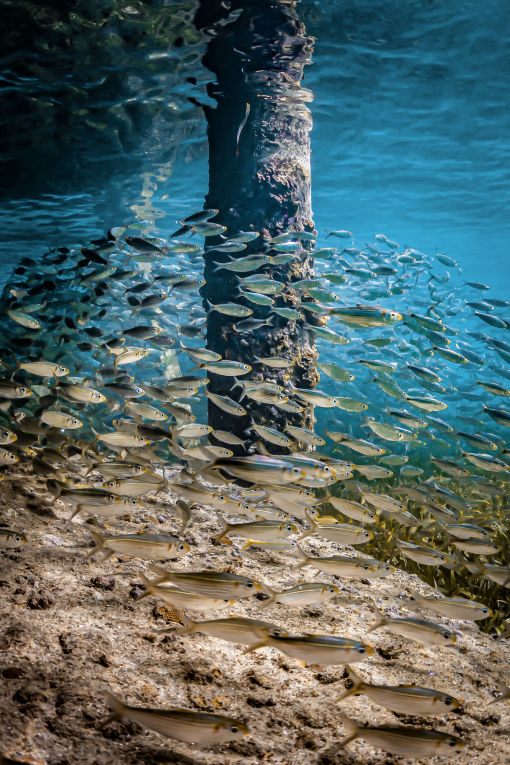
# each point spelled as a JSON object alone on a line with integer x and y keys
{"x": 403, "y": 740}
{"x": 402, "y": 699}
{"x": 452, "y": 608}
{"x": 420, "y": 630}
{"x": 145, "y": 546}
{"x": 347, "y": 566}
{"x": 11, "y": 540}
{"x": 341, "y": 533}
{"x": 210, "y": 583}
{"x": 305, "y": 594}
{"x": 200, "y": 728}
{"x": 233, "y": 629}
{"x": 60, "y": 420}
{"x": 314, "y": 649}
{"x": 268, "y": 531}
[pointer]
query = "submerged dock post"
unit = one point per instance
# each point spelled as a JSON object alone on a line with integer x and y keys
{"x": 259, "y": 180}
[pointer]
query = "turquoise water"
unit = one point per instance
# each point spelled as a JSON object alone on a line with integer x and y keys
{"x": 410, "y": 133}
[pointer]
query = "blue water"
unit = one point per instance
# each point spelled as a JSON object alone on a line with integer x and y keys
{"x": 411, "y": 129}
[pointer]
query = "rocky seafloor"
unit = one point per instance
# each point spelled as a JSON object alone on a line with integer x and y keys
{"x": 71, "y": 626}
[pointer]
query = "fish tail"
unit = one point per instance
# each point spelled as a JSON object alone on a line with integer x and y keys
{"x": 268, "y": 602}
{"x": 303, "y": 559}
{"x": 76, "y": 512}
{"x": 356, "y": 681}
{"x": 381, "y": 621}
{"x": 149, "y": 587}
{"x": 351, "y": 727}
{"x": 99, "y": 540}
{"x": 55, "y": 488}
{"x": 159, "y": 571}
{"x": 222, "y": 536}
{"x": 188, "y": 625}
{"x": 311, "y": 530}
{"x": 118, "y": 708}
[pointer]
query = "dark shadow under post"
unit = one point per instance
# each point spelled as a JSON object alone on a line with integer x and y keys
{"x": 259, "y": 180}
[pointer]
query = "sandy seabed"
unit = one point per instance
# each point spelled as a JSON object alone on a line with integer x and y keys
{"x": 71, "y": 627}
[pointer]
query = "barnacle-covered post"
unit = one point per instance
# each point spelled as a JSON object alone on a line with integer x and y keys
{"x": 259, "y": 180}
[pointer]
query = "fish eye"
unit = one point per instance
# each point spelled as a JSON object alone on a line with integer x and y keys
{"x": 361, "y": 649}
{"x": 234, "y": 729}
{"x": 182, "y": 547}
{"x": 485, "y": 610}
{"x": 332, "y": 589}
{"x": 249, "y": 584}
{"x": 448, "y": 702}
{"x": 447, "y": 635}
{"x": 17, "y": 538}
{"x": 452, "y": 742}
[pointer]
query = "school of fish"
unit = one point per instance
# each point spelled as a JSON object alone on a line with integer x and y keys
{"x": 104, "y": 370}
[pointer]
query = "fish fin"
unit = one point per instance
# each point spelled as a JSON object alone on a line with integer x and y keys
{"x": 249, "y": 543}
{"x": 304, "y": 559}
{"x": 268, "y": 602}
{"x": 149, "y": 585}
{"x": 352, "y": 729}
{"x": 118, "y": 708}
{"x": 356, "y": 681}
{"x": 99, "y": 540}
{"x": 159, "y": 571}
{"x": 188, "y": 625}
{"x": 262, "y": 449}
{"x": 222, "y": 536}
{"x": 416, "y": 597}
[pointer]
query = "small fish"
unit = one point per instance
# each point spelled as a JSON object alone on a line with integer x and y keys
{"x": 403, "y": 740}
{"x": 420, "y": 630}
{"x": 452, "y": 608}
{"x": 241, "y": 126}
{"x": 210, "y": 583}
{"x": 230, "y": 309}
{"x": 306, "y": 594}
{"x": 269, "y": 531}
{"x": 43, "y": 368}
{"x": 226, "y": 404}
{"x": 403, "y": 699}
{"x": 226, "y": 368}
{"x": 315, "y": 649}
{"x": 7, "y": 437}
{"x": 192, "y": 727}
{"x": 80, "y": 393}
{"x": 341, "y": 533}
{"x": 304, "y": 436}
{"x": 145, "y": 546}
{"x": 351, "y": 509}
{"x": 233, "y": 629}
{"x": 24, "y": 319}
{"x": 11, "y": 540}
{"x": 8, "y": 458}
{"x": 335, "y": 372}
{"x": 60, "y": 420}
{"x": 345, "y": 566}
{"x": 271, "y": 435}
